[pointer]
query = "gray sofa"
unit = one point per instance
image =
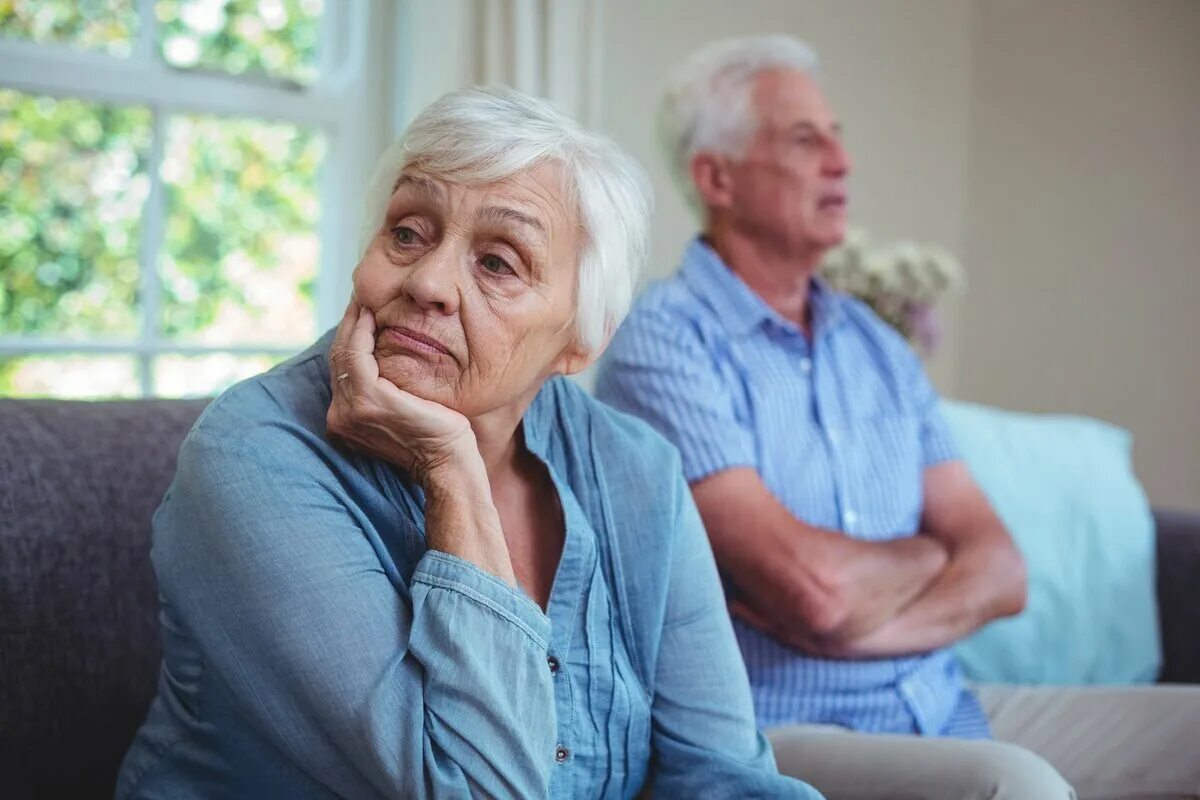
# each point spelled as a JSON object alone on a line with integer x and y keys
{"x": 79, "y": 648}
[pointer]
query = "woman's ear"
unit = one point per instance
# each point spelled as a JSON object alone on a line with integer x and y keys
{"x": 577, "y": 359}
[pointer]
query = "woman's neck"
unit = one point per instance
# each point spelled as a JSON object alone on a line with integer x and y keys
{"x": 498, "y": 435}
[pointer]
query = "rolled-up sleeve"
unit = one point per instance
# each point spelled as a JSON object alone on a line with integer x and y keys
{"x": 705, "y": 742}
{"x": 658, "y": 369}
{"x": 371, "y": 686}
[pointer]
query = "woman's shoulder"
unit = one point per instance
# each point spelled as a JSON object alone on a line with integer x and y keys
{"x": 273, "y": 409}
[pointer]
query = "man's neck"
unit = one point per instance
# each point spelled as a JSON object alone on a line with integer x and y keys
{"x": 780, "y": 278}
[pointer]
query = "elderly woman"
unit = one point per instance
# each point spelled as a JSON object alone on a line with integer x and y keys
{"x": 413, "y": 561}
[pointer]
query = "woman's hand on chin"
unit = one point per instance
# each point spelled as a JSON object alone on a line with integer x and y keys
{"x": 433, "y": 443}
{"x": 372, "y": 415}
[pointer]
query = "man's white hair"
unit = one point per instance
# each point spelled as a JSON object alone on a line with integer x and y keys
{"x": 708, "y": 103}
{"x": 484, "y": 135}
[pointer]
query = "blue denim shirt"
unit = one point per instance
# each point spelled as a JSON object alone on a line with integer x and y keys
{"x": 840, "y": 429}
{"x": 314, "y": 647}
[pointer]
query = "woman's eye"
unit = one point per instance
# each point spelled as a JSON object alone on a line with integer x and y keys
{"x": 404, "y": 234}
{"x": 496, "y": 265}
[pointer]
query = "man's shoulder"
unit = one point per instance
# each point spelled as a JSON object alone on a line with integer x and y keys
{"x": 669, "y": 310}
{"x": 885, "y": 369}
{"x": 868, "y": 327}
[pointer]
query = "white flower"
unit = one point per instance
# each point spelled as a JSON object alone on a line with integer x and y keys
{"x": 893, "y": 276}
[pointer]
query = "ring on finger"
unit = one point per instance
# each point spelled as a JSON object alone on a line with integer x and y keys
{"x": 343, "y": 377}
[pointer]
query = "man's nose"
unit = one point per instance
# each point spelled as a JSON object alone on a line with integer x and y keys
{"x": 837, "y": 159}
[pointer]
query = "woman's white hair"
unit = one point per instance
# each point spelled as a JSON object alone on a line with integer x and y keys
{"x": 483, "y": 135}
{"x": 708, "y": 102}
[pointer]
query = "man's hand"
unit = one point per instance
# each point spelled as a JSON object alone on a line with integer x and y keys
{"x": 374, "y": 416}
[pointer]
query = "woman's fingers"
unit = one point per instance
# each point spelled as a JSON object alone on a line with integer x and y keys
{"x": 352, "y": 356}
{"x": 346, "y": 323}
{"x": 339, "y": 349}
{"x": 361, "y": 347}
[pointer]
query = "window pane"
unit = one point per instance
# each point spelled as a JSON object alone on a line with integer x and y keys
{"x": 241, "y": 239}
{"x": 79, "y": 377}
{"x": 272, "y": 37}
{"x": 105, "y": 25}
{"x": 203, "y": 376}
{"x": 73, "y": 185}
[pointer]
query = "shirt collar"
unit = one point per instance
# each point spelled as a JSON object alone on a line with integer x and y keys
{"x": 738, "y": 307}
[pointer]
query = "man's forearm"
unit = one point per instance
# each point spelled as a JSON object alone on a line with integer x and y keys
{"x": 883, "y": 578}
{"x": 822, "y": 583}
{"x": 954, "y": 605}
{"x": 804, "y": 578}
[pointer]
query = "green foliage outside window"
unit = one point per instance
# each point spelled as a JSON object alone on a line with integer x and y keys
{"x": 72, "y": 192}
{"x": 105, "y": 25}
{"x": 239, "y": 249}
{"x": 271, "y": 37}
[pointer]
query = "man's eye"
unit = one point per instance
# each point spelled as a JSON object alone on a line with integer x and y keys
{"x": 404, "y": 234}
{"x": 496, "y": 265}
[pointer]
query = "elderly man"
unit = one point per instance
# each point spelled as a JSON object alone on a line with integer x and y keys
{"x": 855, "y": 546}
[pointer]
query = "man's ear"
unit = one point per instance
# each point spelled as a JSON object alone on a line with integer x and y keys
{"x": 710, "y": 176}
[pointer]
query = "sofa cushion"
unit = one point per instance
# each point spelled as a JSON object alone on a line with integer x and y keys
{"x": 1065, "y": 488}
{"x": 79, "y": 646}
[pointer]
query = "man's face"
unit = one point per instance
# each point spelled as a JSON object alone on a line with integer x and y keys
{"x": 789, "y": 187}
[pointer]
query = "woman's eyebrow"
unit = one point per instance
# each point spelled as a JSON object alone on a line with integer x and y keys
{"x": 431, "y": 189}
{"x": 505, "y": 214}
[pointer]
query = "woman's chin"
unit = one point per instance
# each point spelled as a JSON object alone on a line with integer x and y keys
{"x": 417, "y": 377}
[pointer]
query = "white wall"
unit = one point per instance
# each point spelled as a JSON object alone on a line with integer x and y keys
{"x": 1083, "y": 242}
{"x": 898, "y": 74}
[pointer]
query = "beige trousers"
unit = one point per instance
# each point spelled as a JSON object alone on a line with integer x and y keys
{"x": 1108, "y": 743}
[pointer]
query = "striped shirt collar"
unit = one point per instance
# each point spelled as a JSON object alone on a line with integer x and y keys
{"x": 738, "y": 307}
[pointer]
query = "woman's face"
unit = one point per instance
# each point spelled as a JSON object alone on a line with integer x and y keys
{"x": 473, "y": 288}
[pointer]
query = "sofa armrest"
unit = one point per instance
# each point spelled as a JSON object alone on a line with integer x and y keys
{"x": 1178, "y": 545}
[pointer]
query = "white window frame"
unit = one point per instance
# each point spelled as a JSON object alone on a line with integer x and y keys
{"x": 346, "y": 103}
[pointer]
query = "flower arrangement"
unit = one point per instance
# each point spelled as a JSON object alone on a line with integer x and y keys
{"x": 901, "y": 282}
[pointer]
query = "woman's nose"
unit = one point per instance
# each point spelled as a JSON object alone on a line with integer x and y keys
{"x": 431, "y": 281}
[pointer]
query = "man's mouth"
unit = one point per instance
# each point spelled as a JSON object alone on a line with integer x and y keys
{"x": 832, "y": 202}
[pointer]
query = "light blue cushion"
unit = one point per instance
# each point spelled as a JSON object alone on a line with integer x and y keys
{"x": 1065, "y": 488}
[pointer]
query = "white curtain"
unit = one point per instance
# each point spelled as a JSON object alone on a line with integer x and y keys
{"x": 545, "y": 47}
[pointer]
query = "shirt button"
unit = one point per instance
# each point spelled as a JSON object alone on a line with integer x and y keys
{"x": 833, "y": 437}
{"x": 850, "y": 517}
{"x": 806, "y": 364}
{"x": 560, "y": 754}
{"x": 552, "y": 662}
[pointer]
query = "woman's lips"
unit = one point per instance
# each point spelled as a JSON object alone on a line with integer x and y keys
{"x": 417, "y": 342}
